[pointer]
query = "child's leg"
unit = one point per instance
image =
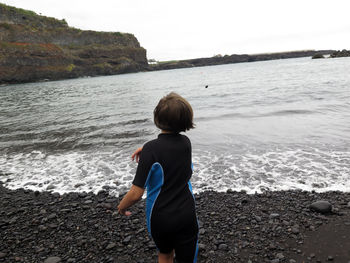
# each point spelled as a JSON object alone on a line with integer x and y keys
{"x": 166, "y": 258}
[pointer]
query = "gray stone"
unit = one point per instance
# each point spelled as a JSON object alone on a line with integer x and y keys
{"x": 107, "y": 205}
{"x": 52, "y": 216}
{"x": 321, "y": 207}
{"x": 223, "y": 247}
{"x": 111, "y": 245}
{"x": 126, "y": 240}
{"x": 330, "y": 258}
{"x": 274, "y": 215}
{"x": 295, "y": 230}
{"x": 50, "y": 187}
{"x": 280, "y": 256}
{"x": 2, "y": 255}
{"x": 52, "y": 260}
{"x": 201, "y": 246}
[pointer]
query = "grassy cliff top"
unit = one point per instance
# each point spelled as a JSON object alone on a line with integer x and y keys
{"x": 25, "y": 26}
{"x": 14, "y": 15}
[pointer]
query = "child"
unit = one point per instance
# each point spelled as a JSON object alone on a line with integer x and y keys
{"x": 165, "y": 169}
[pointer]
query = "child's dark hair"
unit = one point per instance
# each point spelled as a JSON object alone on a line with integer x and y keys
{"x": 173, "y": 113}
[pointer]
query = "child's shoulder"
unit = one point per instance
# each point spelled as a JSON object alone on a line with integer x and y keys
{"x": 150, "y": 144}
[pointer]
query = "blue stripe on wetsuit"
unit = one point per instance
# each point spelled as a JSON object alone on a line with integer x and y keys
{"x": 154, "y": 183}
{"x": 190, "y": 187}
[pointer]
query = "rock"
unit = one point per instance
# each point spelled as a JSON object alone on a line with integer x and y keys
{"x": 280, "y": 256}
{"x": 257, "y": 218}
{"x": 50, "y": 187}
{"x": 330, "y": 258}
{"x": 339, "y": 54}
{"x": 2, "y": 255}
{"x": 274, "y": 216}
{"x": 295, "y": 230}
{"x": 223, "y": 247}
{"x": 323, "y": 207}
{"x": 126, "y": 240}
{"x": 107, "y": 206}
{"x": 52, "y": 260}
{"x": 111, "y": 245}
{"x": 201, "y": 246}
{"x": 52, "y": 216}
{"x": 316, "y": 56}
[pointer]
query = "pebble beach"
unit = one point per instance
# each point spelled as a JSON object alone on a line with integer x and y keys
{"x": 234, "y": 227}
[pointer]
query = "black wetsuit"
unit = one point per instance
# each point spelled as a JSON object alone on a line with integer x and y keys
{"x": 165, "y": 169}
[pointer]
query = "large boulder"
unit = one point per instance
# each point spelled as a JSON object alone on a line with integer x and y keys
{"x": 323, "y": 207}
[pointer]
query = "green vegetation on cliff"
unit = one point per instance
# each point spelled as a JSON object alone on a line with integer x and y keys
{"x": 35, "y": 47}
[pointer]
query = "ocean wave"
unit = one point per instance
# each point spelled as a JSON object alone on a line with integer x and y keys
{"x": 92, "y": 171}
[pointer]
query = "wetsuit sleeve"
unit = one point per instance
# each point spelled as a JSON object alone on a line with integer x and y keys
{"x": 145, "y": 164}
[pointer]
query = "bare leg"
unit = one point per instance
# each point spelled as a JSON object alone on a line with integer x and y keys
{"x": 166, "y": 258}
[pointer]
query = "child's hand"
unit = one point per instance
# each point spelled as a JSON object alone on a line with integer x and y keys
{"x": 124, "y": 212}
{"x": 136, "y": 154}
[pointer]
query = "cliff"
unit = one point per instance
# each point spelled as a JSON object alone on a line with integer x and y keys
{"x": 34, "y": 47}
{"x": 228, "y": 59}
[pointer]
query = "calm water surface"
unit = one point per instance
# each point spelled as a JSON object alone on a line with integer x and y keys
{"x": 277, "y": 125}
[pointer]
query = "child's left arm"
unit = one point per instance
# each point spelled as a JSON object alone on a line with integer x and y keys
{"x": 133, "y": 196}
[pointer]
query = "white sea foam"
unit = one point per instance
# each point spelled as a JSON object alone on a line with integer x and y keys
{"x": 68, "y": 172}
{"x": 252, "y": 172}
{"x": 278, "y": 170}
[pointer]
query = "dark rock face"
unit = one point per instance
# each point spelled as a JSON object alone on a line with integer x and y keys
{"x": 339, "y": 54}
{"x": 34, "y": 47}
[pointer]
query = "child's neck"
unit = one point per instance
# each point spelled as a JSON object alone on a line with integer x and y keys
{"x": 166, "y": 132}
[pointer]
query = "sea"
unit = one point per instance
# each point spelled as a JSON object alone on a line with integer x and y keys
{"x": 271, "y": 125}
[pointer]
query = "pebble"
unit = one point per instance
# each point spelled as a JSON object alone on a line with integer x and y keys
{"x": 201, "y": 246}
{"x": 280, "y": 256}
{"x": 50, "y": 187}
{"x": 126, "y": 240}
{"x": 223, "y": 247}
{"x": 52, "y": 216}
{"x": 295, "y": 230}
{"x": 53, "y": 260}
{"x": 330, "y": 258}
{"x": 274, "y": 216}
{"x": 228, "y": 233}
{"x": 111, "y": 245}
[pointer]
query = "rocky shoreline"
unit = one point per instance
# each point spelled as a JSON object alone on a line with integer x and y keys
{"x": 234, "y": 227}
{"x": 235, "y": 58}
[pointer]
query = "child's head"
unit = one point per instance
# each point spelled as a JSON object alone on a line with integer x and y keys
{"x": 173, "y": 114}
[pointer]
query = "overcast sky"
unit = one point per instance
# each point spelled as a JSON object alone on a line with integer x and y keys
{"x": 184, "y": 29}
